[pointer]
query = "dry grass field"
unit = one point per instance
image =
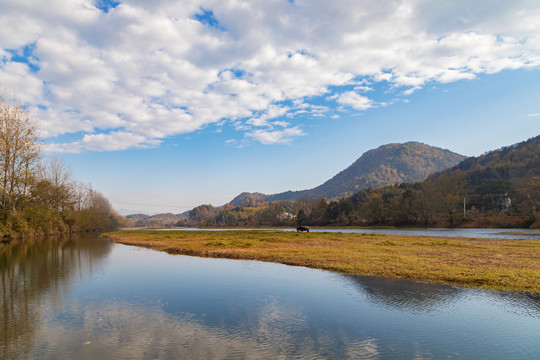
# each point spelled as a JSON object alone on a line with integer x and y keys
{"x": 498, "y": 264}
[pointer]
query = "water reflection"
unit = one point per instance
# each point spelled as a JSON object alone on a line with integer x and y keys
{"x": 424, "y": 297}
{"x": 34, "y": 274}
{"x": 86, "y": 299}
{"x": 122, "y": 330}
{"x": 515, "y": 234}
{"x": 413, "y": 296}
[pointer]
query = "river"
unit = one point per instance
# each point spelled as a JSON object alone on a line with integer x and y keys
{"x": 87, "y": 298}
{"x": 516, "y": 234}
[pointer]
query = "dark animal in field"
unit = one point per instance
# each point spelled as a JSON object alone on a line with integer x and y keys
{"x": 302, "y": 228}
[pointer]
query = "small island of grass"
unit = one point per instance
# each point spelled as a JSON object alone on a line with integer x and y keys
{"x": 497, "y": 264}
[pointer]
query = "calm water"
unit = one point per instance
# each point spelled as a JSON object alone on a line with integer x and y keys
{"x": 93, "y": 299}
{"x": 517, "y": 234}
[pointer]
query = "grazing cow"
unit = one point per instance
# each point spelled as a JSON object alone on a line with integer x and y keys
{"x": 302, "y": 228}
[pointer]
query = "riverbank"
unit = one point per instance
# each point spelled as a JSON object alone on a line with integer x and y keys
{"x": 498, "y": 264}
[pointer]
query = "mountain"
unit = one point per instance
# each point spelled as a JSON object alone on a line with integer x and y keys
{"x": 500, "y": 188}
{"x": 387, "y": 164}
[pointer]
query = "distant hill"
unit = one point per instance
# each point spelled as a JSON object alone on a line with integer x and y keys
{"x": 387, "y": 164}
{"x": 126, "y": 212}
{"x": 164, "y": 219}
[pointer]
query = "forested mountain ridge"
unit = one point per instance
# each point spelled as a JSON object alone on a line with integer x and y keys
{"x": 385, "y": 165}
{"x": 516, "y": 163}
{"x": 505, "y": 180}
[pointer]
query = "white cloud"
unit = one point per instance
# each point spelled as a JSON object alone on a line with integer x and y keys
{"x": 275, "y": 136}
{"x": 272, "y": 112}
{"x": 363, "y": 88}
{"x": 354, "y": 100}
{"x": 18, "y": 79}
{"x": 146, "y": 72}
{"x": 119, "y": 140}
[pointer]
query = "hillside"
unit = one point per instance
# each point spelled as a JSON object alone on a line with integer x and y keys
{"x": 516, "y": 164}
{"x": 387, "y": 164}
{"x": 498, "y": 189}
{"x": 507, "y": 179}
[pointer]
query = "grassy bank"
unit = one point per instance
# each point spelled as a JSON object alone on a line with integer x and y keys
{"x": 500, "y": 264}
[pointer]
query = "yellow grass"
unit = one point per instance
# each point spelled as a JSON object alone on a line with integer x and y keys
{"x": 500, "y": 264}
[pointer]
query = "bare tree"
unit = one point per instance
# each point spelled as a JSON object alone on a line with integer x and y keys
{"x": 81, "y": 196}
{"x": 20, "y": 152}
{"x": 62, "y": 185}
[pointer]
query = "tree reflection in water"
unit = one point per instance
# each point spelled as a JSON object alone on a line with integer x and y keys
{"x": 33, "y": 273}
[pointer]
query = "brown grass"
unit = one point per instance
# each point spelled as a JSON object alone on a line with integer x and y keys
{"x": 500, "y": 264}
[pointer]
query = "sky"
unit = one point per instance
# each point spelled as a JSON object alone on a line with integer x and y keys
{"x": 165, "y": 105}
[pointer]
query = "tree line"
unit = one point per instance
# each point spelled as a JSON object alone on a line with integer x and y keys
{"x": 38, "y": 194}
{"x": 419, "y": 204}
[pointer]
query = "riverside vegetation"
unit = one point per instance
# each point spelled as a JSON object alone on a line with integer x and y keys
{"x": 37, "y": 194}
{"x": 499, "y": 264}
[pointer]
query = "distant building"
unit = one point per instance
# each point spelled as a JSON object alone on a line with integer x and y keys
{"x": 285, "y": 216}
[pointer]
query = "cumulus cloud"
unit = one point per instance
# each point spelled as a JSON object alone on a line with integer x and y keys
{"x": 275, "y": 136}
{"x": 119, "y": 140}
{"x": 132, "y": 75}
{"x": 354, "y": 100}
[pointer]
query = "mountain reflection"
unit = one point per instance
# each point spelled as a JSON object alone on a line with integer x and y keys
{"x": 423, "y": 297}
{"x": 405, "y": 295}
{"x": 35, "y": 273}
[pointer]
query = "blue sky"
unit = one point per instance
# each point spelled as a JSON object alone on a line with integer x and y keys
{"x": 166, "y": 105}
